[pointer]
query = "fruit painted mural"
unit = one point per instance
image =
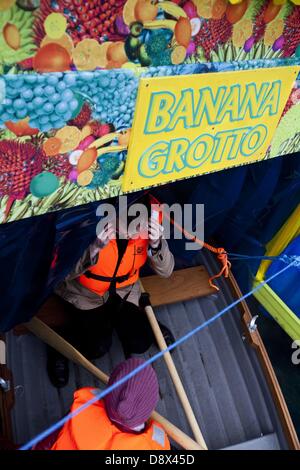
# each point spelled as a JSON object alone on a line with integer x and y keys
{"x": 70, "y": 71}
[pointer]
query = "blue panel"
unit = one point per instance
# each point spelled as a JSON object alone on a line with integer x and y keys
{"x": 287, "y": 286}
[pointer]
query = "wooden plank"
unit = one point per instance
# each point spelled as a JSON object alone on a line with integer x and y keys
{"x": 256, "y": 341}
{"x": 6, "y": 403}
{"x": 2, "y": 352}
{"x": 52, "y": 313}
{"x": 184, "y": 284}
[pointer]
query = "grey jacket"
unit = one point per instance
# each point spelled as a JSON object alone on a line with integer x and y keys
{"x": 72, "y": 291}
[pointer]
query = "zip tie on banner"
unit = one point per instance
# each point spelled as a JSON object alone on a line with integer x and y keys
{"x": 109, "y": 389}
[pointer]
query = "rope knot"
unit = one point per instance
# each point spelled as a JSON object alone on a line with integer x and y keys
{"x": 226, "y": 265}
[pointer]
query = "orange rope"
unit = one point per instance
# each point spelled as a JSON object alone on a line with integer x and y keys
{"x": 220, "y": 252}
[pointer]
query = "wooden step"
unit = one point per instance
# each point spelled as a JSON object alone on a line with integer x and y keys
{"x": 184, "y": 284}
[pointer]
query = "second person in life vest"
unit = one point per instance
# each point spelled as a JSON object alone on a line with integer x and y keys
{"x": 102, "y": 294}
{"x": 121, "y": 421}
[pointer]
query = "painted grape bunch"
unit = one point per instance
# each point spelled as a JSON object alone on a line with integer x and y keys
{"x": 47, "y": 100}
{"x": 51, "y": 100}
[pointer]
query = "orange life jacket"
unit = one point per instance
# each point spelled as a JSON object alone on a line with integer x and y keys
{"x": 99, "y": 277}
{"x": 93, "y": 430}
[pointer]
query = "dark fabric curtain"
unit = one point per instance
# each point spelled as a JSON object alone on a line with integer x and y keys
{"x": 36, "y": 254}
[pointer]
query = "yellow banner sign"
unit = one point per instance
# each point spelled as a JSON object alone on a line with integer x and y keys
{"x": 190, "y": 125}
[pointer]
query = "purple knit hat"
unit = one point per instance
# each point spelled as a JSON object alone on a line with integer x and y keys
{"x": 132, "y": 403}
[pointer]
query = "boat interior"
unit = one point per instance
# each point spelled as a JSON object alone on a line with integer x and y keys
{"x": 224, "y": 367}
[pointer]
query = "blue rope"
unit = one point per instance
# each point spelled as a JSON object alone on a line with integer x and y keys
{"x": 287, "y": 259}
{"x": 109, "y": 389}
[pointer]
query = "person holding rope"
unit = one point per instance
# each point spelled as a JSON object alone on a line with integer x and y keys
{"x": 103, "y": 293}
